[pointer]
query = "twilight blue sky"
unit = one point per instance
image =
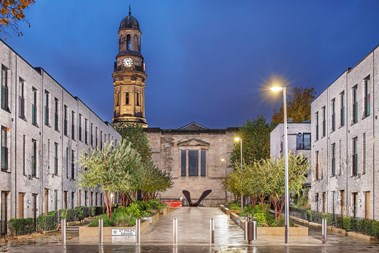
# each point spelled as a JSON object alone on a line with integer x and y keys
{"x": 206, "y": 60}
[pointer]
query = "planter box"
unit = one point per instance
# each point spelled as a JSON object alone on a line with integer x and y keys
{"x": 280, "y": 231}
{"x": 360, "y": 236}
{"x": 163, "y": 211}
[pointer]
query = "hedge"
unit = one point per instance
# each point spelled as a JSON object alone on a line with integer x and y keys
{"x": 360, "y": 225}
{"x": 46, "y": 222}
{"x": 21, "y": 226}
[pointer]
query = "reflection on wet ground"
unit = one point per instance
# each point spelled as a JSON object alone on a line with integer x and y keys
{"x": 194, "y": 237}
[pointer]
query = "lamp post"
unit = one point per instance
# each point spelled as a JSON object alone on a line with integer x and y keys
{"x": 223, "y": 161}
{"x": 238, "y": 139}
{"x": 286, "y": 193}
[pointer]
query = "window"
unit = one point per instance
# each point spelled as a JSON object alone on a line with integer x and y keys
{"x": 46, "y": 200}
{"x": 72, "y": 164}
{"x": 317, "y": 204}
{"x": 96, "y": 137}
{"x": 34, "y": 158}
{"x": 342, "y": 109}
{"x": 323, "y": 121}
{"x": 137, "y": 99}
{"x": 333, "y": 159}
{"x": 80, "y": 127}
{"x": 4, "y": 88}
{"x": 72, "y": 199}
{"x": 191, "y": 165}
{"x": 333, "y": 114}
{"x": 303, "y": 141}
{"x": 80, "y": 198}
{"x": 23, "y": 155}
{"x": 127, "y": 98}
{"x": 364, "y": 154}
{"x": 73, "y": 125}
{"x": 91, "y": 134}
{"x": 55, "y": 158}
{"x": 34, "y": 107}
{"x": 47, "y": 120}
{"x": 48, "y": 156}
{"x": 4, "y": 149}
{"x": 316, "y": 167}
{"x": 86, "y": 131}
{"x": 101, "y": 139}
{"x": 355, "y": 157}
{"x": 354, "y": 203}
{"x": 355, "y": 104}
{"x": 56, "y": 106}
{"x": 85, "y": 198}
{"x": 22, "y": 99}
{"x": 67, "y": 161}
{"x": 56, "y": 200}
{"x": 128, "y": 42}
{"x": 65, "y": 120}
{"x": 317, "y": 127}
{"x": 65, "y": 193}
{"x": 117, "y": 98}
{"x": 367, "y": 96}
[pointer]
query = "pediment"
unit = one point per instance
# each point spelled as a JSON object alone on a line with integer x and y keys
{"x": 193, "y": 126}
{"x": 193, "y": 143}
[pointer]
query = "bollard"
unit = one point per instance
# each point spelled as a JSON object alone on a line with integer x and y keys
{"x": 175, "y": 231}
{"x": 138, "y": 231}
{"x": 101, "y": 237}
{"x": 63, "y": 231}
{"x": 246, "y": 228}
{"x": 324, "y": 229}
{"x": 254, "y": 230}
{"x": 212, "y": 230}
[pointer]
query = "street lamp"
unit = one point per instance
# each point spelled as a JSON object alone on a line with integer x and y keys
{"x": 238, "y": 139}
{"x": 286, "y": 194}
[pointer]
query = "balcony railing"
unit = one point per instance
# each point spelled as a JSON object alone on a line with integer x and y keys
{"x": 4, "y": 158}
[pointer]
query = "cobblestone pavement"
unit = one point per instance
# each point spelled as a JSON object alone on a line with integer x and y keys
{"x": 194, "y": 237}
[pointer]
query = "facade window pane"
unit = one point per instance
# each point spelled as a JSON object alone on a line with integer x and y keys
{"x": 323, "y": 121}
{"x": 127, "y": 102}
{"x": 47, "y": 118}
{"x": 367, "y": 96}
{"x": 317, "y": 166}
{"x": 56, "y": 158}
{"x": 22, "y": 99}
{"x": 4, "y": 149}
{"x": 317, "y": 127}
{"x": 86, "y": 131}
{"x": 34, "y": 158}
{"x": 342, "y": 109}
{"x": 193, "y": 163}
{"x": 355, "y": 104}
{"x": 34, "y": 107}
{"x": 65, "y": 123}
{"x": 4, "y": 89}
{"x": 72, "y": 164}
{"x": 73, "y": 125}
{"x": 333, "y": 159}
{"x": 183, "y": 163}
{"x": 333, "y": 114}
{"x": 203, "y": 163}
{"x": 91, "y": 134}
{"x": 355, "y": 157}
{"x": 56, "y": 106}
{"x": 80, "y": 127}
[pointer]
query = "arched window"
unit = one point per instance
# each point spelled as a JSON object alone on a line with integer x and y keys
{"x": 128, "y": 42}
{"x": 136, "y": 42}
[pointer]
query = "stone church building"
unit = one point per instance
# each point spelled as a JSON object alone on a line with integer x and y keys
{"x": 196, "y": 157}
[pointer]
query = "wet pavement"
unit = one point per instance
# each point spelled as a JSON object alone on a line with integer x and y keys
{"x": 194, "y": 237}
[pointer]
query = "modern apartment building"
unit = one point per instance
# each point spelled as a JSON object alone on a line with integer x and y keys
{"x": 44, "y": 129}
{"x": 345, "y": 143}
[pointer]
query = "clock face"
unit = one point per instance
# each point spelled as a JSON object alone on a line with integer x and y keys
{"x": 128, "y": 62}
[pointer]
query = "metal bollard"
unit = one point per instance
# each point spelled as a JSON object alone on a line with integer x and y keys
{"x": 138, "y": 231}
{"x": 101, "y": 236}
{"x": 175, "y": 231}
{"x": 254, "y": 230}
{"x": 324, "y": 229}
{"x": 212, "y": 230}
{"x": 63, "y": 231}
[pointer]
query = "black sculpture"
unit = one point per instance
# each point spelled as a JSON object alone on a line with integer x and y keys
{"x": 197, "y": 203}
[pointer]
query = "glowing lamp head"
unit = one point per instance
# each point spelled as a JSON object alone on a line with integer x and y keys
{"x": 237, "y": 139}
{"x": 276, "y": 88}
{"x": 222, "y": 159}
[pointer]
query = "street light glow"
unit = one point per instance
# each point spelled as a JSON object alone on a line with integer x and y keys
{"x": 237, "y": 139}
{"x": 276, "y": 88}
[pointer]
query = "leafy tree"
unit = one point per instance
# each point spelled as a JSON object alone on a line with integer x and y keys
{"x": 12, "y": 11}
{"x": 111, "y": 169}
{"x": 255, "y": 137}
{"x": 298, "y": 106}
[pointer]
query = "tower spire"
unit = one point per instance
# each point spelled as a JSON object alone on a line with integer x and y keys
{"x": 130, "y": 10}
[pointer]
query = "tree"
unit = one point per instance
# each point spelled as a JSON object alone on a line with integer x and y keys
{"x": 255, "y": 137}
{"x": 11, "y": 12}
{"x": 298, "y": 106}
{"x": 110, "y": 169}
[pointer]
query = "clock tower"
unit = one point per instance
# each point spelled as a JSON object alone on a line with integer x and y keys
{"x": 129, "y": 76}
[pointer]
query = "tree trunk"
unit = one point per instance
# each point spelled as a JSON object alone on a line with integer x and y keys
{"x": 108, "y": 204}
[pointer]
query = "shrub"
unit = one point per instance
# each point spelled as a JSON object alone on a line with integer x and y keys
{"x": 107, "y": 222}
{"x": 155, "y": 204}
{"x": 234, "y": 205}
{"x": 21, "y": 226}
{"x": 46, "y": 222}
{"x": 375, "y": 228}
{"x": 365, "y": 226}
